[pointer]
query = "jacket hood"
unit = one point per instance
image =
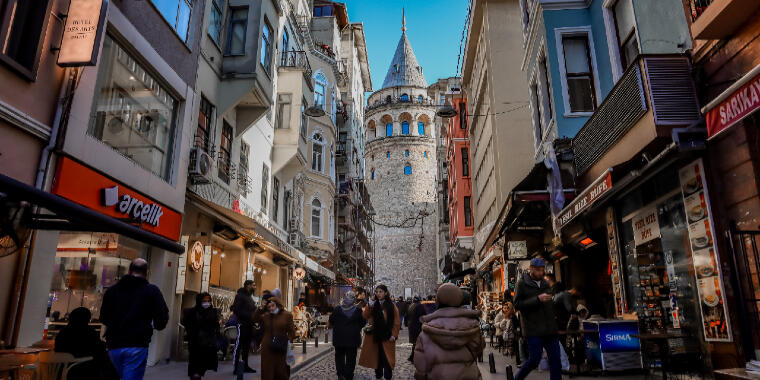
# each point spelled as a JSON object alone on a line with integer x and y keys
{"x": 451, "y": 327}
{"x": 132, "y": 282}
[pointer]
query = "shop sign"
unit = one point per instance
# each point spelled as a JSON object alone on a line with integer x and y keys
{"x": 733, "y": 109}
{"x": 299, "y": 273}
{"x": 646, "y": 226}
{"x": 81, "y": 34}
{"x": 93, "y": 190}
{"x": 206, "y": 268}
{"x": 196, "y": 256}
{"x": 517, "y": 250}
{"x": 182, "y": 267}
{"x": 601, "y": 186}
{"x": 715, "y": 323}
{"x": 618, "y": 336}
{"x": 89, "y": 241}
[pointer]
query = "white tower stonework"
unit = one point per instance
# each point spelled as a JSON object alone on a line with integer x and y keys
{"x": 401, "y": 176}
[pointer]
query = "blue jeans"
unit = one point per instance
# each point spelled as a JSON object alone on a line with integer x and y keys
{"x": 129, "y": 362}
{"x": 536, "y": 345}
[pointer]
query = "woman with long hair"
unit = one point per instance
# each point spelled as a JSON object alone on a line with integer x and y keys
{"x": 379, "y": 346}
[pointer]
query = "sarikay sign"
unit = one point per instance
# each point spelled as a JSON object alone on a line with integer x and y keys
{"x": 81, "y": 34}
{"x": 83, "y": 185}
{"x": 601, "y": 186}
{"x": 742, "y": 102}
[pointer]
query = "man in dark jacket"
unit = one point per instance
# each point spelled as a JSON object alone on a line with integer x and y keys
{"x": 243, "y": 307}
{"x": 533, "y": 301}
{"x": 416, "y": 310}
{"x": 347, "y": 322}
{"x": 403, "y": 307}
{"x": 131, "y": 310}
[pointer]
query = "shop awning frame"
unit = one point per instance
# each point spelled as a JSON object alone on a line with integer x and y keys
{"x": 73, "y": 216}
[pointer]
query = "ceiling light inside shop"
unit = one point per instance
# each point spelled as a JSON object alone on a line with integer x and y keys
{"x": 587, "y": 241}
{"x": 223, "y": 255}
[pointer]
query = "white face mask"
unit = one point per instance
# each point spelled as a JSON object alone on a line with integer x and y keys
{"x": 206, "y": 305}
{"x": 275, "y": 311}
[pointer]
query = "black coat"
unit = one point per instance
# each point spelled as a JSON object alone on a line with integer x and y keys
{"x": 416, "y": 310}
{"x": 243, "y": 306}
{"x": 202, "y": 327}
{"x": 403, "y": 307}
{"x": 82, "y": 342}
{"x": 131, "y": 310}
{"x": 537, "y": 318}
{"x": 347, "y": 327}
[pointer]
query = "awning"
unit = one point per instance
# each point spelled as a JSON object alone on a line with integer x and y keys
{"x": 246, "y": 226}
{"x": 459, "y": 275}
{"x": 68, "y": 215}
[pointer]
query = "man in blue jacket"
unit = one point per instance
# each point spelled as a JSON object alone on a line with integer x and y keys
{"x": 534, "y": 302}
{"x": 131, "y": 310}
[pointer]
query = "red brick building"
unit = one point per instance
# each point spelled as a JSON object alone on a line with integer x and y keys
{"x": 460, "y": 185}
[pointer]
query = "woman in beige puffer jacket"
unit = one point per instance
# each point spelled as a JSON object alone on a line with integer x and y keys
{"x": 450, "y": 342}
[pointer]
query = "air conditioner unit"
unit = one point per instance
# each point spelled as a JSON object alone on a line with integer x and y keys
{"x": 201, "y": 164}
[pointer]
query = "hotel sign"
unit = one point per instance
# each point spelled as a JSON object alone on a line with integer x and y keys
{"x": 600, "y": 187}
{"x": 81, "y": 34}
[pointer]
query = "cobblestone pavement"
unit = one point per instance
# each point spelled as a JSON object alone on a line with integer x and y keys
{"x": 325, "y": 367}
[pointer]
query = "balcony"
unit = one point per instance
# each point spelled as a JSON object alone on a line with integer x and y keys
{"x": 298, "y": 60}
{"x": 655, "y": 95}
{"x": 713, "y": 19}
{"x": 390, "y": 101}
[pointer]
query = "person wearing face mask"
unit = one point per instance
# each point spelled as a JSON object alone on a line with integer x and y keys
{"x": 244, "y": 308}
{"x": 202, "y": 326}
{"x": 379, "y": 346}
{"x": 279, "y": 330}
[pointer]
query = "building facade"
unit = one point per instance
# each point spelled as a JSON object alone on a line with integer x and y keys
{"x": 401, "y": 176}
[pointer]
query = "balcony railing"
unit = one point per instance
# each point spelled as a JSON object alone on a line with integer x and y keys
{"x": 298, "y": 60}
{"x": 698, "y": 7}
{"x": 391, "y": 100}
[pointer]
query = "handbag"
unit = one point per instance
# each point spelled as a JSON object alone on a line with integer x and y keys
{"x": 368, "y": 329}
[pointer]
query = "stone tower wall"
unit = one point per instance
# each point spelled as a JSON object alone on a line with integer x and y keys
{"x": 396, "y": 197}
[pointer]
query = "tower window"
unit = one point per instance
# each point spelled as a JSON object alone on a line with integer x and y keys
{"x": 388, "y": 154}
{"x": 419, "y": 98}
{"x": 373, "y": 173}
{"x": 404, "y": 97}
{"x": 406, "y": 153}
{"x": 421, "y": 128}
{"x": 407, "y": 170}
{"x": 389, "y": 129}
{"x": 426, "y": 154}
{"x": 405, "y": 128}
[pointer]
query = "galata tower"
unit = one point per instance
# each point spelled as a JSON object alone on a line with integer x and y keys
{"x": 401, "y": 176}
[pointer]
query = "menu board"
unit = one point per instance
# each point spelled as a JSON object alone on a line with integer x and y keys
{"x": 614, "y": 251}
{"x": 715, "y": 323}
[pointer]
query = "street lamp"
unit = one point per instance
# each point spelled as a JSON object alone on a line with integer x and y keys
{"x": 446, "y": 111}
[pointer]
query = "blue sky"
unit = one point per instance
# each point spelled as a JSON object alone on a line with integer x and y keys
{"x": 434, "y": 28}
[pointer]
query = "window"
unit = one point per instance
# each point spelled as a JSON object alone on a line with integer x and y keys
{"x": 237, "y": 29}
{"x": 421, "y": 128}
{"x": 225, "y": 148}
{"x": 317, "y": 152}
{"x": 535, "y": 103}
{"x": 283, "y": 111}
{"x": 304, "y": 118}
{"x": 316, "y": 218}
{"x": 546, "y": 100}
{"x": 465, "y": 163}
{"x": 373, "y": 173}
{"x": 625, "y": 23}
{"x": 285, "y": 41}
{"x": 177, "y": 13}
{"x": 462, "y": 115}
{"x": 266, "y": 47}
{"x": 406, "y": 153}
{"x": 404, "y": 97}
{"x": 579, "y": 76}
{"x": 21, "y": 36}
{"x": 405, "y": 127}
{"x": 136, "y": 117}
{"x": 320, "y": 84}
{"x": 264, "y": 188}
{"x": 419, "y": 99}
{"x": 205, "y": 124}
{"x": 388, "y": 154}
{"x": 525, "y": 15}
{"x": 333, "y": 105}
{"x": 245, "y": 151}
{"x": 467, "y": 212}
{"x": 285, "y": 208}
{"x": 395, "y": 68}
{"x": 323, "y": 11}
{"x": 407, "y": 170}
{"x": 275, "y": 198}
{"x": 215, "y": 21}
{"x": 389, "y": 129}
{"x": 425, "y": 154}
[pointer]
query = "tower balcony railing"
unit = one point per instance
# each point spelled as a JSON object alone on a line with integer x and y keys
{"x": 391, "y": 101}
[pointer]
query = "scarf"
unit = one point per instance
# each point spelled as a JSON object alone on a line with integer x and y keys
{"x": 381, "y": 330}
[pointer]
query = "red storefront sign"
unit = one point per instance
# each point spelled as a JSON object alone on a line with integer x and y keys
{"x": 601, "y": 186}
{"x": 734, "y": 108}
{"x": 93, "y": 190}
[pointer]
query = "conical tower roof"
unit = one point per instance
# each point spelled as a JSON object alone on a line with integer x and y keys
{"x": 404, "y": 69}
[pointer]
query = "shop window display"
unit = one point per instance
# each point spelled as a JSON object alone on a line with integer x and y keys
{"x": 660, "y": 284}
{"x": 86, "y": 265}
